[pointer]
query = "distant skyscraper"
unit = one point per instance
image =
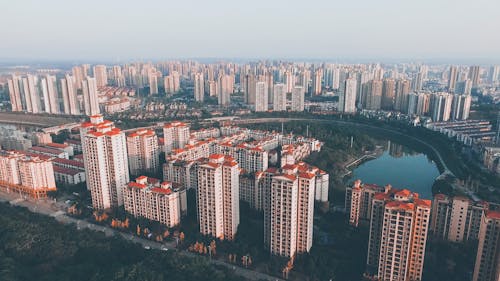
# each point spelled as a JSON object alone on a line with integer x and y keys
{"x": 68, "y": 92}
{"x": 464, "y": 87}
{"x": 487, "y": 267}
{"x": 90, "y": 97}
{"x": 106, "y": 162}
{"x": 373, "y": 96}
{"x": 249, "y": 89}
{"x": 474, "y": 75}
{"x": 261, "y": 96}
{"x": 30, "y": 90}
{"x": 298, "y": 99}
{"x": 440, "y": 106}
{"x": 452, "y": 79}
{"x": 289, "y": 81}
{"x": 101, "y": 75}
{"x": 15, "y": 94}
{"x": 318, "y": 76}
{"x": 78, "y": 76}
{"x": 50, "y": 95}
{"x": 388, "y": 94}
{"x": 401, "y": 99}
{"x": 493, "y": 74}
{"x": 461, "y": 107}
{"x": 347, "y": 99}
{"x": 279, "y": 103}
{"x": 199, "y": 87}
{"x": 153, "y": 83}
{"x": 224, "y": 89}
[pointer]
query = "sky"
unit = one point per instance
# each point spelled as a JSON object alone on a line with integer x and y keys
{"x": 115, "y": 30}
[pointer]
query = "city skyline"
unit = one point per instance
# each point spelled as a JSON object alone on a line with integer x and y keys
{"x": 386, "y": 30}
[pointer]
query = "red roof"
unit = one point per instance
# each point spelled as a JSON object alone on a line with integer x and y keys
{"x": 289, "y": 167}
{"x": 492, "y": 214}
{"x": 46, "y": 150}
{"x": 136, "y": 185}
{"x": 69, "y": 162}
{"x": 423, "y": 202}
{"x": 400, "y": 205}
{"x": 161, "y": 190}
{"x": 306, "y": 175}
{"x": 57, "y": 145}
{"x": 66, "y": 171}
{"x": 216, "y": 156}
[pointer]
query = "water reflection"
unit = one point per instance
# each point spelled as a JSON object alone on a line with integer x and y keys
{"x": 402, "y": 168}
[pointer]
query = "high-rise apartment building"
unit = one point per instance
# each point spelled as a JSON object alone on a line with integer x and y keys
{"x": 148, "y": 198}
{"x": 153, "y": 83}
{"x": 279, "y": 102}
{"x": 358, "y": 201}
{"x": 90, "y": 97}
{"x": 106, "y": 162}
{"x": 68, "y": 91}
{"x": 218, "y": 196}
{"x": 372, "y": 98}
{"x": 297, "y": 99}
{"x": 388, "y": 94}
{"x": 464, "y": 87}
{"x": 199, "y": 87}
{"x": 493, "y": 74}
{"x": 101, "y": 75}
{"x": 289, "y": 81}
{"x": 143, "y": 152}
{"x": 487, "y": 267}
{"x": 440, "y": 106}
{"x": 291, "y": 210}
{"x": 50, "y": 94}
{"x": 176, "y": 135}
{"x": 318, "y": 76}
{"x": 249, "y": 89}
{"x": 261, "y": 97}
{"x": 401, "y": 96}
{"x": 15, "y": 93}
{"x": 474, "y": 75}
{"x": 78, "y": 75}
{"x": 224, "y": 89}
{"x": 32, "y": 176}
{"x": 283, "y": 215}
{"x": 347, "y": 99}
{"x": 398, "y": 235}
{"x": 460, "y": 107}
{"x": 456, "y": 219}
{"x": 452, "y": 79}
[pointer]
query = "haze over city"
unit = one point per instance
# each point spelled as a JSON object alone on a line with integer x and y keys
{"x": 250, "y": 140}
{"x": 347, "y": 31}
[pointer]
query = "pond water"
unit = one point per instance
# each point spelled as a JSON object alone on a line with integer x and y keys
{"x": 400, "y": 167}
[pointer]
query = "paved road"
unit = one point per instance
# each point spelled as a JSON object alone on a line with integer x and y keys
{"x": 55, "y": 209}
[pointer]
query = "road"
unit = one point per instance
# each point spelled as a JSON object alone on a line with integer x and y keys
{"x": 56, "y": 210}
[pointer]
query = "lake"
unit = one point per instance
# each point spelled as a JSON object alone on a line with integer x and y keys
{"x": 400, "y": 167}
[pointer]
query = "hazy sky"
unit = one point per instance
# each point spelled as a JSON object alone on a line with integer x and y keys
{"x": 134, "y": 29}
